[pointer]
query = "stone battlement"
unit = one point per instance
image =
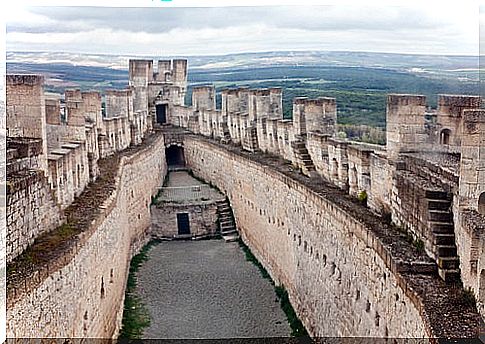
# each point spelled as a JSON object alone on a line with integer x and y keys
{"x": 24, "y": 79}
{"x": 102, "y": 159}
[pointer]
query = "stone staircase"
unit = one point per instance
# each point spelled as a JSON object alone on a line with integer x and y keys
{"x": 227, "y": 224}
{"x": 440, "y": 221}
{"x": 303, "y": 157}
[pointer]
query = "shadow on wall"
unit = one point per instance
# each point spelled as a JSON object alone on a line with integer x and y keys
{"x": 481, "y": 203}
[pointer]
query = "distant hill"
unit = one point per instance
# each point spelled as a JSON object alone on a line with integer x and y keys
{"x": 359, "y": 81}
{"x": 258, "y": 59}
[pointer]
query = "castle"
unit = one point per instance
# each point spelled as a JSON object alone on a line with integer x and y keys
{"x": 395, "y": 226}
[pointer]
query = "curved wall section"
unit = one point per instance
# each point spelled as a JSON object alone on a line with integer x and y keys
{"x": 337, "y": 280}
{"x": 82, "y": 294}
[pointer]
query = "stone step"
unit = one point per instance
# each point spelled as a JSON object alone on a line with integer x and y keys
{"x": 439, "y": 204}
{"x": 440, "y": 216}
{"x": 438, "y": 227}
{"x": 446, "y": 250}
{"x": 444, "y": 238}
{"x": 449, "y": 263}
{"x": 435, "y": 194}
{"x": 298, "y": 144}
{"x": 226, "y": 223}
{"x": 450, "y": 275}
{"x": 230, "y": 238}
{"x": 309, "y": 168}
{"x": 229, "y": 231}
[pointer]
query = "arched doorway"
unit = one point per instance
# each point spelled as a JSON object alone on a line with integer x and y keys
{"x": 445, "y": 136}
{"x": 175, "y": 157}
{"x": 481, "y": 203}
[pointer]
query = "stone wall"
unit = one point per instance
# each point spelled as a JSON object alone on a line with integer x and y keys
{"x": 341, "y": 281}
{"x": 471, "y": 248}
{"x": 25, "y": 110}
{"x": 202, "y": 217}
{"x": 117, "y": 137}
{"x": 81, "y": 293}
{"x": 31, "y": 210}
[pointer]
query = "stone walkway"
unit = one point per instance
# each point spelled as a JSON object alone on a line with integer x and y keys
{"x": 207, "y": 290}
{"x": 183, "y": 188}
{"x": 181, "y": 178}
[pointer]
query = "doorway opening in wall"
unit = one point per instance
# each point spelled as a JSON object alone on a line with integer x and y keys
{"x": 445, "y": 136}
{"x": 183, "y": 223}
{"x": 481, "y": 203}
{"x": 175, "y": 157}
{"x": 161, "y": 113}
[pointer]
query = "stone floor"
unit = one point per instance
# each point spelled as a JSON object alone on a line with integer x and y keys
{"x": 181, "y": 178}
{"x": 180, "y": 189}
{"x": 207, "y": 290}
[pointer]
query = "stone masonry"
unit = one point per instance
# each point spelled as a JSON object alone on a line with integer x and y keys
{"x": 349, "y": 266}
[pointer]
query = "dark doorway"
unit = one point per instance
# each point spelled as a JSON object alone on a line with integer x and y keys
{"x": 445, "y": 136}
{"x": 183, "y": 223}
{"x": 481, "y": 203}
{"x": 175, "y": 156}
{"x": 161, "y": 113}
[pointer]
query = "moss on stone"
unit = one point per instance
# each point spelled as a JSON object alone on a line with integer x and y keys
{"x": 135, "y": 315}
{"x": 297, "y": 328}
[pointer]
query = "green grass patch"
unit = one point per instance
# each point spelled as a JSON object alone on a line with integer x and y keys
{"x": 297, "y": 328}
{"x": 135, "y": 314}
{"x": 362, "y": 197}
{"x": 468, "y": 297}
{"x": 251, "y": 258}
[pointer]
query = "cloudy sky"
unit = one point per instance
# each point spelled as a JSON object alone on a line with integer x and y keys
{"x": 443, "y": 29}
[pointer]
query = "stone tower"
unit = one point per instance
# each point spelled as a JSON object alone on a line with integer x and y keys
{"x": 203, "y": 98}
{"x": 450, "y": 117}
{"x": 472, "y": 164}
{"x": 26, "y": 115}
{"x": 405, "y": 123}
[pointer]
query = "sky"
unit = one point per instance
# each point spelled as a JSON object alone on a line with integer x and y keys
{"x": 416, "y": 28}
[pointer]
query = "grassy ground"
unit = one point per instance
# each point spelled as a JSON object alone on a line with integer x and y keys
{"x": 135, "y": 315}
{"x": 297, "y": 328}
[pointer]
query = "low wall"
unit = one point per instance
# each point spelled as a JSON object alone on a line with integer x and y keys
{"x": 470, "y": 240}
{"x": 31, "y": 210}
{"x": 202, "y": 219}
{"x": 81, "y": 293}
{"x": 345, "y": 276}
{"x": 31, "y": 206}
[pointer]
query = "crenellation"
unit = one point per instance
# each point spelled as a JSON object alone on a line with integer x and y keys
{"x": 428, "y": 181}
{"x": 24, "y": 79}
{"x": 204, "y": 98}
{"x": 454, "y": 105}
{"x": 53, "y": 111}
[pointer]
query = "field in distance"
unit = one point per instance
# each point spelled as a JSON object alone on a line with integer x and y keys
{"x": 359, "y": 81}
